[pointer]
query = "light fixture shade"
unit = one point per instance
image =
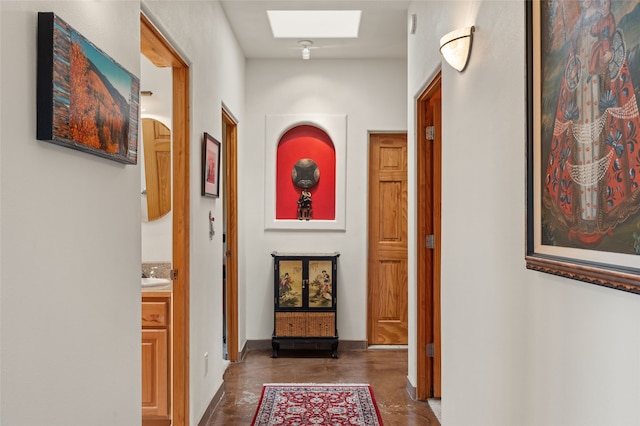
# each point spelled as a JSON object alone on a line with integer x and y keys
{"x": 306, "y": 51}
{"x": 455, "y": 47}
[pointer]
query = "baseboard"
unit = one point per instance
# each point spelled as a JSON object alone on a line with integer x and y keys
{"x": 411, "y": 390}
{"x": 258, "y": 345}
{"x": 212, "y": 406}
{"x": 243, "y": 352}
{"x": 343, "y": 345}
{"x": 388, "y": 347}
{"x": 352, "y": 345}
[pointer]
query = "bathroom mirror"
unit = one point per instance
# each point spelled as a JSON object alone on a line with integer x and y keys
{"x": 156, "y": 142}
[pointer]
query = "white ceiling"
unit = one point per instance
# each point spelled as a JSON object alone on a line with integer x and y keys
{"x": 383, "y": 29}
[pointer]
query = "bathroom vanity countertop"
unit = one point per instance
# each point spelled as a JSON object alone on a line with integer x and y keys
{"x": 153, "y": 284}
{"x": 161, "y": 289}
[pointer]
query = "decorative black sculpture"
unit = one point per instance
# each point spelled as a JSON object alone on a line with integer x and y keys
{"x": 304, "y": 205}
{"x": 305, "y": 175}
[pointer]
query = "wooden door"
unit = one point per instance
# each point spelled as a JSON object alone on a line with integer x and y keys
{"x": 157, "y": 162}
{"x": 429, "y": 188}
{"x": 230, "y": 148}
{"x": 387, "y": 269}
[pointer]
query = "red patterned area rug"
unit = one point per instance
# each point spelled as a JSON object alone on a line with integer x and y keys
{"x": 300, "y": 404}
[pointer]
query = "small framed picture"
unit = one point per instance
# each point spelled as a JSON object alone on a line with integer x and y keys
{"x": 210, "y": 166}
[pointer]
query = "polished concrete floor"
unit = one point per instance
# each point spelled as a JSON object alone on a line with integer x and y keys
{"x": 384, "y": 370}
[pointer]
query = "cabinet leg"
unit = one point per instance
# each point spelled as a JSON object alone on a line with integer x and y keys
{"x": 275, "y": 345}
{"x": 334, "y": 349}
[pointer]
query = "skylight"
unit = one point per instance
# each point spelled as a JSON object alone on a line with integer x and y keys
{"x": 314, "y": 23}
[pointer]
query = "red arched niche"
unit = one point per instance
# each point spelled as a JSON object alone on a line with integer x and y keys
{"x": 306, "y": 142}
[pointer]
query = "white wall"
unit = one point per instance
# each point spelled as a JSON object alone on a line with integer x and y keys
{"x": 70, "y": 246}
{"x": 199, "y": 30}
{"x": 372, "y": 93}
{"x": 519, "y": 347}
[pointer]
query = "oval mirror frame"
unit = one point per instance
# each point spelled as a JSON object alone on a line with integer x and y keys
{"x": 156, "y": 141}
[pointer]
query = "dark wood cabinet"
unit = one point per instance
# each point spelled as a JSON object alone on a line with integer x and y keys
{"x": 305, "y": 299}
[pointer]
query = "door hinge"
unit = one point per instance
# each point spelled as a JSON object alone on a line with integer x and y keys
{"x": 430, "y": 241}
{"x": 430, "y": 350}
{"x": 430, "y": 133}
{"x": 173, "y": 274}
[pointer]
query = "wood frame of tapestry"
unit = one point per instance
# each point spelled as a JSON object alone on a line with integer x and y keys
{"x": 429, "y": 187}
{"x": 157, "y": 49}
{"x": 230, "y": 148}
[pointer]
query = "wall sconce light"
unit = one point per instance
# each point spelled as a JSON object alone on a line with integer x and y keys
{"x": 413, "y": 22}
{"x": 455, "y": 47}
{"x": 306, "y": 51}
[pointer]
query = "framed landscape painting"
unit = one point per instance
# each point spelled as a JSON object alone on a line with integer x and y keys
{"x": 583, "y": 140}
{"x": 85, "y": 100}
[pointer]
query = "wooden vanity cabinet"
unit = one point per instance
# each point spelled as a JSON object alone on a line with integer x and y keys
{"x": 305, "y": 300}
{"x": 156, "y": 338}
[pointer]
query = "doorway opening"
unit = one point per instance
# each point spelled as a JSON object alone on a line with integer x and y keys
{"x": 429, "y": 189}
{"x": 155, "y": 47}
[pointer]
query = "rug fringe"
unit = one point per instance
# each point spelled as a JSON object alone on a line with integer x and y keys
{"x": 316, "y": 384}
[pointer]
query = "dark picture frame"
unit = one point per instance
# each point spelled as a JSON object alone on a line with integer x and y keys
{"x": 210, "y": 166}
{"x": 583, "y": 155}
{"x": 85, "y": 100}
